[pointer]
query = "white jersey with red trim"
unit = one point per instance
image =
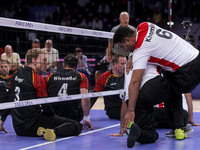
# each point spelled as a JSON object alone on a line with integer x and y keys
{"x": 150, "y": 73}
{"x": 161, "y": 47}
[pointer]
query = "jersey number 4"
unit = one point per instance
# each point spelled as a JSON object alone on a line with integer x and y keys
{"x": 63, "y": 90}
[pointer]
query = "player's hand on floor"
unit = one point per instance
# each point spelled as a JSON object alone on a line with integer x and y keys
{"x": 122, "y": 131}
{"x": 89, "y": 124}
{"x": 194, "y": 124}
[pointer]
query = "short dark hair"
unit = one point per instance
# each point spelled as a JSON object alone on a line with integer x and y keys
{"x": 71, "y": 61}
{"x": 36, "y": 41}
{"x": 121, "y": 33}
{"x": 78, "y": 49}
{"x": 115, "y": 58}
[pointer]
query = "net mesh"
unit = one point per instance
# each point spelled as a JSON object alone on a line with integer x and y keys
{"x": 20, "y": 34}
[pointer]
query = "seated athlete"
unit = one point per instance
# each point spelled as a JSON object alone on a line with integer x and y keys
{"x": 39, "y": 119}
{"x": 112, "y": 80}
{"x": 69, "y": 82}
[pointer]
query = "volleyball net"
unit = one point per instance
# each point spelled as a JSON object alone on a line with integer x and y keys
{"x": 20, "y": 34}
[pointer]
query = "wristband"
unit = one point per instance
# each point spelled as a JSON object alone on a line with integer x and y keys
{"x": 86, "y": 118}
{"x": 130, "y": 125}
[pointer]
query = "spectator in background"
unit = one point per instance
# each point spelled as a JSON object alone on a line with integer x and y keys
{"x": 195, "y": 11}
{"x": 86, "y": 23}
{"x": 12, "y": 57}
{"x": 52, "y": 55}
{"x": 82, "y": 3}
{"x": 124, "y": 21}
{"x": 82, "y": 62}
{"x": 157, "y": 17}
{"x": 97, "y": 24}
{"x": 198, "y": 44}
{"x": 9, "y": 12}
{"x": 36, "y": 43}
{"x": 4, "y": 81}
{"x": 66, "y": 21}
{"x": 103, "y": 9}
{"x": 1, "y": 52}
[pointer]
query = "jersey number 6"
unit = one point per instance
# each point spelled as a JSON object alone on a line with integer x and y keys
{"x": 164, "y": 34}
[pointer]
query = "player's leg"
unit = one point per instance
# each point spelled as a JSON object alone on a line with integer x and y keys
{"x": 59, "y": 126}
{"x": 153, "y": 92}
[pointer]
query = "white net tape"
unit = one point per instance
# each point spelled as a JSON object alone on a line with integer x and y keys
{"x": 52, "y": 28}
{"x": 57, "y": 99}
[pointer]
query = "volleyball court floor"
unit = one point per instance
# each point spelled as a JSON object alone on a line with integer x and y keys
{"x": 98, "y": 139}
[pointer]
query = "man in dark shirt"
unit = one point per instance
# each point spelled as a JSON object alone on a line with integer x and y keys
{"x": 4, "y": 81}
{"x": 70, "y": 82}
{"x": 112, "y": 80}
{"x": 35, "y": 120}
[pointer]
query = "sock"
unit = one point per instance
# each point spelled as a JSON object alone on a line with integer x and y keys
{"x": 134, "y": 134}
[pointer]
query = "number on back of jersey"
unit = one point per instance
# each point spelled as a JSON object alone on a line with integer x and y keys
{"x": 63, "y": 90}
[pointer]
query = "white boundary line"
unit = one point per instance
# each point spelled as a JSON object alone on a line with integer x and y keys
{"x": 62, "y": 139}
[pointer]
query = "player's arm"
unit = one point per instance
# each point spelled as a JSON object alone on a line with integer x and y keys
{"x": 40, "y": 86}
{"x": 108, "y": 51}
{"x": 100, "y": 85}
{"x": 85, "y": 102}
{"x": 2, "y": 120}
{"x": 188, "y": 97}
{"x": 134, "y": 88}
{"x": 123, "y": 112}
{"x": 129, "y": 64}
{"x": 5, "y": 112}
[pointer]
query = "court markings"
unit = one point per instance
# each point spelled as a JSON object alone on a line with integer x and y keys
{"x": 62, "y": 139}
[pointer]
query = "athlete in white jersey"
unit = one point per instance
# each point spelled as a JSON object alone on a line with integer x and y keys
{"x": 161, "y": 116}
{"x": 154, "y": 45}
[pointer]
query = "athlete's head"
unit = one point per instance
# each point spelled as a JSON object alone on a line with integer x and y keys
{"x": 124, "y": 18}
{"x": 4, "y": 68}
{"x": 70, "y": 61}
{"x": 37, "y": 60}
{"x": 119, "y": 63}
{"x": 125, "y": 38}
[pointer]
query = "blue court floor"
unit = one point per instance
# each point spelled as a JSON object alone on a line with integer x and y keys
{"x": 98, "y": 139}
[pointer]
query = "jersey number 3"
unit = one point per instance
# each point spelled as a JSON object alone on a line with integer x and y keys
{"x": 17, "y": 91}
{"x": 63, "y": 90}
{"x": 164, "y": 34}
